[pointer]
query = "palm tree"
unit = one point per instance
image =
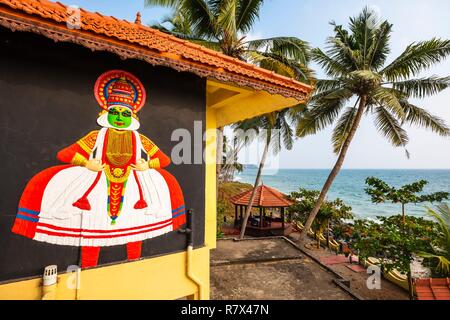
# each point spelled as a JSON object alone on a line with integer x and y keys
{"x": 221, "y": 25}
{"x": 441, "y": 248}
{"x": 276, "y": 130}
{"x": 355, "y": 62}
{"x": 180, "y": 26}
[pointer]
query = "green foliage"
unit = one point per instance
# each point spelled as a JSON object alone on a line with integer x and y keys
{"x": 393, "y": 241}
{"x": 440, "y": 254}
{"x": 380, "y": 192}
{"x": 274, "y": 128}
{"x": 354, "y": 62}
{"x": 225, "y": 192}
{"x": 330, "y": 211}
{"x": 221, "y": 214}
{"x": 221, "y": 25}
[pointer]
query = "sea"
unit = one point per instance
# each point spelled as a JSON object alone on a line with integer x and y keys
{"x": 350, "y": 184}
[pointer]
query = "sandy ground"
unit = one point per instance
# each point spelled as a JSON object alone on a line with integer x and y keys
{"x": 283, "y": 274}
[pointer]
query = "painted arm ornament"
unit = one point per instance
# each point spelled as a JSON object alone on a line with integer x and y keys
{"x": 94, "y": 165}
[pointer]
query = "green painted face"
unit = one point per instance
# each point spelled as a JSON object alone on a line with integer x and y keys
{"x": 119, "y": 117}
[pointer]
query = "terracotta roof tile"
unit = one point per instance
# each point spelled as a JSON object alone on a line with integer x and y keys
{"x": 265, "y": 197}
{"x": 433, "y": 289}
{"x": 146, "y": 42}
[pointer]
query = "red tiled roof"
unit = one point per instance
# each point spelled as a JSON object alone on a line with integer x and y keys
{"x": 433, "y": 289}
{"x": 133, "y": 40}
{"x": 265, "y": 197}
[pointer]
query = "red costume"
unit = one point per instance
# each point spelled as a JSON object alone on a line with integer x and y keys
{"x": 71, "y": 205}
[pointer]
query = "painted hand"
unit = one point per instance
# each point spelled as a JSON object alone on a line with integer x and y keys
{"x": 95, "y": 165}
{"x": 141, "y": 165}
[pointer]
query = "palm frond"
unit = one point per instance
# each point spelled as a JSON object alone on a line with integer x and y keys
{"x": 390, "y": 128}
{"x": 442, "y": 216}
{"x": 379, "y": 50}
{"x": 296, "y": 112}
{"x": 247, "y": 131}
{"x": 332, "y": 67}
{"x": 280, "y": 64}
{"x": 247, "y": 14}
{"x": 363, "y": 28}
{"x": 416, "y": 58}
{"x": 213, "y": 45}
{"x": 271, "y": 62}
{"x": 202, "y": 19}
{"x": 339, "y": 51}
{"x": 422, "y": 87}
{"x": 342, "y": 129}
{"x": 286, "y": 130}
{"x": 178, "y": 34}
{"x": 196, "y": 12}
{"x": 226, "y": 19}
{"x": 388, "y": 98}
{"x": 321, "y": 114}
{"x": 325, "y": 85}
{"x": 441, "y": 245}
{"x": 422, "y": 118}
{"x": 443, "y": 265}
{"x": 290, "y": 47}
{"x": 333, "y": 94}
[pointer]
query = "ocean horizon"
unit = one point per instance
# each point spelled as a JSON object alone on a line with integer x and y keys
{"x": 349, "y": 186}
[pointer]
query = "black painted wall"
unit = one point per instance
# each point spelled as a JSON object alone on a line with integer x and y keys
{"x": 47, "y": 103}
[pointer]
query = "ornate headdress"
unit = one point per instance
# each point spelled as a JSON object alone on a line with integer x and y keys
{"x": 119, "y": 88}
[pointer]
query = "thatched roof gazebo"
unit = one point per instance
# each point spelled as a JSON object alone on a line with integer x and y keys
{"x": 271, "y": 218}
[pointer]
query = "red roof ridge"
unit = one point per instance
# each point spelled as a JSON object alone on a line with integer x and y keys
{"x": 433, "y": 288}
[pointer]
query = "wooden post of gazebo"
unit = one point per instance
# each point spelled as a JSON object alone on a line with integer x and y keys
{"x": 265, "y": 198}
{"x": 261, "y": 217}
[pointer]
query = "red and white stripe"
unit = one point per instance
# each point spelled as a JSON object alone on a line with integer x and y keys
{"x": 99, "y": 234}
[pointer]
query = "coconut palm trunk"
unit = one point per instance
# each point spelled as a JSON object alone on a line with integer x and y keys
{"x": 337, "y": 167}
{"x": 257, "y": 182}
{"x": 403, "y": 214}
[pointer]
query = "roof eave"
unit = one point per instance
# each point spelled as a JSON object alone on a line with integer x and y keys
{"x": 21, "y": 21}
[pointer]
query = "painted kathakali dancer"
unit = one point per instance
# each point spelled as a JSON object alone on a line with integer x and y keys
{"x": 107, "y": 194}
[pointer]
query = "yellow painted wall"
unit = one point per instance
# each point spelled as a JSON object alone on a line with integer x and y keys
{"x": 250, "y": 106}
{"x": 234, "y": 103}
{"x": 210, "y": 183}
{"x": 156, "y": 278}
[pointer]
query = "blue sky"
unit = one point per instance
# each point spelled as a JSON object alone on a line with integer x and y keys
{"x": 413, "y": 20}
